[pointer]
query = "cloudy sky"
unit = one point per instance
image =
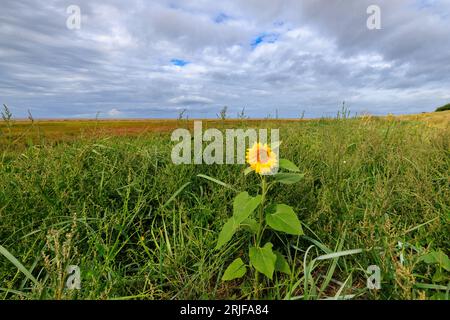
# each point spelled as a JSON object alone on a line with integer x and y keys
{"x": 139, "y": 58}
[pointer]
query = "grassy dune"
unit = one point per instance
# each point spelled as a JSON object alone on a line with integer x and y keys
{"x": 104, "y": 195}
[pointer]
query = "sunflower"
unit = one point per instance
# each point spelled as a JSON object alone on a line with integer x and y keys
{"x": 261, "y": 158}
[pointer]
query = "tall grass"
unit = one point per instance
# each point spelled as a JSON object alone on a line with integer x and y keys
{"x": 140, "y": 227}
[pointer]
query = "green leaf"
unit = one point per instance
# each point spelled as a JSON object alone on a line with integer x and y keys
{"x": 443, "y": 260}
{"x": 263, "y": 259}
{"x": 248, "y": 170}
{"x": 282, "y": 217}
{"x": 251, "y": 224}
{"x": 240, "y": 201}
{"x": 236, "y": 269}
{"x": 288, "y": 178}
{"x": 227, "y": 232}
{"x": 244, "y": 205}
{"x": 281, "y": 264}
{"x": 437, "y": 257}
{"x": 428, "y": 258}
{"x": 288, "y": 165}
{"x": 439, "y": 276}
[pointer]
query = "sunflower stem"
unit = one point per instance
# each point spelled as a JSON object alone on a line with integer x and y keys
{"x": 260, "y": 229}
{"x": 261, "y": 210}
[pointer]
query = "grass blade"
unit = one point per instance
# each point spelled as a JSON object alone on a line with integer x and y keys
{"x": 331, "y": 269}
{"x": 204, "y": 176}
{"x": 341, "y": 289}
{"x": 176, "y": 193}
{"x": 339, "y": 254}
{"x": 17, "y": 263}
{"x": 430, "y": 286}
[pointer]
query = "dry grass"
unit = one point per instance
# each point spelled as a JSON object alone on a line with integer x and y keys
{"x": 53, "y": 130}
{"x": 432, "y": 119}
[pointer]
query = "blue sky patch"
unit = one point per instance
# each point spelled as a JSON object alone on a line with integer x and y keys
{"x": 179, "y": 62}
{"x": 264, "y": 38}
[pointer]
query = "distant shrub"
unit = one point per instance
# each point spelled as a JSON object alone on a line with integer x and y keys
{"x": 444, "y": 108}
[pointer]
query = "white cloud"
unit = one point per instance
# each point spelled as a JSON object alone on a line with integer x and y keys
{"x": 114, "y": 113}
{"x": 190, "y": 100}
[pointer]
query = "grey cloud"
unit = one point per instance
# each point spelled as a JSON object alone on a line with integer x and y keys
{"x": 120, "y": 58}
{"x": 190, "y": 100}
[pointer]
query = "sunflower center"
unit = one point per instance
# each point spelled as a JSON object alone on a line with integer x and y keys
{"x": 262, "y": 155}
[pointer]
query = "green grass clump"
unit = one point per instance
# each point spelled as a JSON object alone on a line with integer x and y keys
{"x": 140, "y": 227}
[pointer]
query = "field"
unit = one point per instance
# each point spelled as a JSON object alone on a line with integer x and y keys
{"x": 105, "y": 196}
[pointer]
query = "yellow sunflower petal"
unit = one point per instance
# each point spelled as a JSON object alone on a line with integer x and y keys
{"x": 261, "y": 158}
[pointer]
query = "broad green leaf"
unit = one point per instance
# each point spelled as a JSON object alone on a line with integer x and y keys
{"x": 251, "y": 224}
{"x": 236, "y": 269}
{"x": 439, "y": 276}
{"x": 240, "y": 200}
{"x": 437, "y": 257}
{"x": 281, "y": 264}
{"x": 446, "y": 263}
{"x": 244, "y": 205}
{"x": 288, "y": 178}
{"x": 288, "y": 165}
{"x": 263, "y": 259}
{"x": 282, "y": 217}
{"x": 428, "y": 258}
{"x": 227, "y": 232}
{"x": 443, "y": 260}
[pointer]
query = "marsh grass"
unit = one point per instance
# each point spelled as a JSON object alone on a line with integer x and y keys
{"x": 140, "y": 227}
